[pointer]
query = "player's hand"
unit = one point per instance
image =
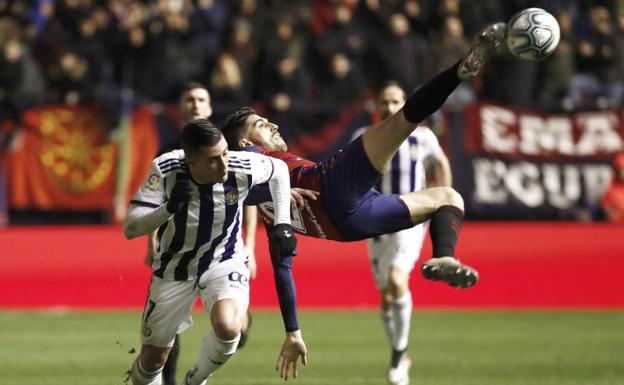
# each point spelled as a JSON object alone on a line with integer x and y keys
{"x": 292, "y": 349}
{"x": 282, "y": 239}
{"x": 251, "y": 262}
{"x": 180, "y": 194}
{"x": 298, "y": 196}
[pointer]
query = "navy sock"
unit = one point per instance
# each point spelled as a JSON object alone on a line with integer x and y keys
{"x": 431, "y": 96}
{"x": 444, "y": 230}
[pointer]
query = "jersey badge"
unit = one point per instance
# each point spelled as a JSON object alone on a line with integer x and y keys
{"x": 153, "y": 182}
{"x": 231, "y": 197}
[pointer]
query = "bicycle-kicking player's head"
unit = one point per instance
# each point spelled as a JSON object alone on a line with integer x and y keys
{"x": 206, "y": 151}
{"x": 194, "y": 102}
{"x": 245, "y": 127}
{"x": 390, "y": 99}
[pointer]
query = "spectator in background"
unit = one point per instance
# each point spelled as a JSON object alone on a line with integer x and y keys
{"x": 244, "y": 49}
{"x": 227, "y": 85}
{"x": 343, "y": 85}
{"x": 402, "y": 55}
{"x": 558, "y": 70}
{"x": 597, "y": 84}
{"x": 285, "y": 89}
{"x": 344, "y": 35}
{"x": 21, "y": 82}
{"x": 453, "y": 44}
{"x": 208, "y": 22}
{"x": 71, "y": 80}
{"x": 613, "y": 199}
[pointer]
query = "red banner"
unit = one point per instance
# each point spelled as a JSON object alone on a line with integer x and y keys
{"x": 520, "y": 133}
{"x": 64, "y": 158}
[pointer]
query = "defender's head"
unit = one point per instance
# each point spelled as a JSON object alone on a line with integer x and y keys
{"x": 245, "y": 127}
{"x": 390, "y": 99}
{"x": 194, "y": 102}
{"x": 206, "y": 151}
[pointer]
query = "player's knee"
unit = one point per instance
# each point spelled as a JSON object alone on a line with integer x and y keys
{"x": 226, "y": 329}
{"x": 153, "y": 357}
{"x": 397, "y": 284}
{"x": 450, "y": 197}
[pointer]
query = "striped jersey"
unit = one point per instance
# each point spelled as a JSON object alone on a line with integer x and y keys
{"x": 406, "y": 171}
{"x": 208, "y": 229}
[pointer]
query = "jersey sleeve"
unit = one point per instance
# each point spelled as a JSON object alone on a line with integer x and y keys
{"x": 152, "y": 191}
{"x": 262, "y": 168}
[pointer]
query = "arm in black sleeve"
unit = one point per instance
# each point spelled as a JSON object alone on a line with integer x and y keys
{"x": 286, "y": 293}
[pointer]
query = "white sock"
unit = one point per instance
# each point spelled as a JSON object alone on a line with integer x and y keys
{"x": 213, "y": 353}
{"x": 140, "y": 377}
{"x": 387, "y": 320}
{"x": 401, "y": 309}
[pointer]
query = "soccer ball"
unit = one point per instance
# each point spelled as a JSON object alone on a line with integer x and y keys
{"x": 532, "y": 34}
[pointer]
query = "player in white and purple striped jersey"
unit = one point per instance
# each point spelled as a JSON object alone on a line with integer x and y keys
{"x": 394, "y": 255}
{"x": 194, "y": 197}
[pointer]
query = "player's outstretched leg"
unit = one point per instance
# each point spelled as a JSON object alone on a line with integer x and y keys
{"x": 484, "y": 45}
{"x": 444, "y": 230}
{"x": 445, "y": 208}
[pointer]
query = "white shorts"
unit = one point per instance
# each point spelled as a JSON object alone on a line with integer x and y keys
{"x": 400, "y": 250}
{"x": 169, "y": 303}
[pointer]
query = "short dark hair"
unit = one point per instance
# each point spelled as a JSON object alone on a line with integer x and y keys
{"x": 189, "y": 86}
{"x": 197, "y": 133}
{"x": 235, "y": 125}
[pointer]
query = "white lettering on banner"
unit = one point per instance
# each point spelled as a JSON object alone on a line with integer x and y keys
{"x": 598, "y": 133}
{"x": 562, "y": 196}
{"x": 539, "y": 135}
{"x": 506, "y": 131}
{"x": 597, "y": 178}
{"x": 489, "y": 180}
{"x": 495, "y": 122}
{"x": 535, "y": 184}
{"x": 522, "y": 181}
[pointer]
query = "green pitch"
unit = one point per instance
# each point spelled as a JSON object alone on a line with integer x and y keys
{"x": 448, "y": 348}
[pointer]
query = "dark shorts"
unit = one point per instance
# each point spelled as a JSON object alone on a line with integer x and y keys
{"x": 349, "y": 200}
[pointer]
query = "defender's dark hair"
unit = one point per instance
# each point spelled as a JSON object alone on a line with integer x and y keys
{"x": 235, "y": 125}
{"x": 197, "y": 133}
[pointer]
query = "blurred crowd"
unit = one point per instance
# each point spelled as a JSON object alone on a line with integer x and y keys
{"x": 299, "y": 60}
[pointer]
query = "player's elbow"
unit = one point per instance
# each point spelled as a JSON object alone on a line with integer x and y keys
{"x": 130, "y": 229}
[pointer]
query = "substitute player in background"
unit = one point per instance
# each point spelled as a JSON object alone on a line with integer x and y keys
{"x": 194, "y": 197}
{"x": 194, "y": 103}
{"x": 348, "y": 207}
{"x": 393, "y": 256}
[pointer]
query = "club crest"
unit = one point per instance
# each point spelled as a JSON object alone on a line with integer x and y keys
{"x": 231, "y": 197}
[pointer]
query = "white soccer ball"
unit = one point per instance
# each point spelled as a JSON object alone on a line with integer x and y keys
{"x": 532, "y": 34}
